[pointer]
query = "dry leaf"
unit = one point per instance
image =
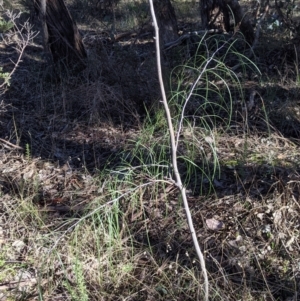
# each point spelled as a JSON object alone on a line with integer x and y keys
{"x": 277, "y": 216}
{"x": 214, "y": 224}
{"x": 260, "y": 216}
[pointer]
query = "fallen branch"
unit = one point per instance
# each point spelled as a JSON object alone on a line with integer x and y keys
{"x": 9, "y": 145}
{"x": 17, "y": 284}
{"x": 186, "y": 36}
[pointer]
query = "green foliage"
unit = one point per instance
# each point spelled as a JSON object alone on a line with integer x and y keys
{"x": 204, "y": 89}
{"x": 79, "y": 292}
{"x": 27, "y": 152}
{"x": 5, "y": 76}
{"x": 5, "y": 25}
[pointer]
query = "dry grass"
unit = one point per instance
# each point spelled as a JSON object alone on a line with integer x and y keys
{"x": 93, "y": 143}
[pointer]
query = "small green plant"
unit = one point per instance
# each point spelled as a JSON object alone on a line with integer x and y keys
{"x": 27, "y": 152}
{"x": 5, "y": 25}
{"x": 79, "y": 292}
{"x": 5, "y": 77}
{"x": 22, "y": 37}
{"x": 6, "y": 271}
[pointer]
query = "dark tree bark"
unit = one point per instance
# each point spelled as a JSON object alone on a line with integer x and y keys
{"x": 40, "y": 11}
{"x": 241, "y": 20}
{"x": 168, "y": 32}
{"x": 60, "y": 33}
{"x": 166, "y": 20}
{"x": 215, "y": 14}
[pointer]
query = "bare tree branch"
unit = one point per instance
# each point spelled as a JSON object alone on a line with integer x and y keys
{"x": 24, "y": 36}
{"x": 178, "y": 180}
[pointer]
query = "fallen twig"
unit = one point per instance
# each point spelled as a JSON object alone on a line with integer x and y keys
{"x": 9, "y": 145}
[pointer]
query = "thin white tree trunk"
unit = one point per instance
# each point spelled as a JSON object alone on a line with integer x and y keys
{"x": 178, "y": 181}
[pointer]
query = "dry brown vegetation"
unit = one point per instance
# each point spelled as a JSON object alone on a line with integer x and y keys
{"x": 87, "y": 207}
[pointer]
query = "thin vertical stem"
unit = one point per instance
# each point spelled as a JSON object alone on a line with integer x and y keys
{"x": 174, "y": 154}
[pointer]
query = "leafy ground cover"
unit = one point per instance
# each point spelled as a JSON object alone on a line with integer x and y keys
{"x": 88, "y": 210}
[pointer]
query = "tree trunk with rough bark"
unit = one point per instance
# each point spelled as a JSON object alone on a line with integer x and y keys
{"x": 215, "y": 14}
{"x": 168, "y": 32}
{"x": 241, "y": 20}
{"x": 166, "y": 20}
{"x": 60, "y": 33}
